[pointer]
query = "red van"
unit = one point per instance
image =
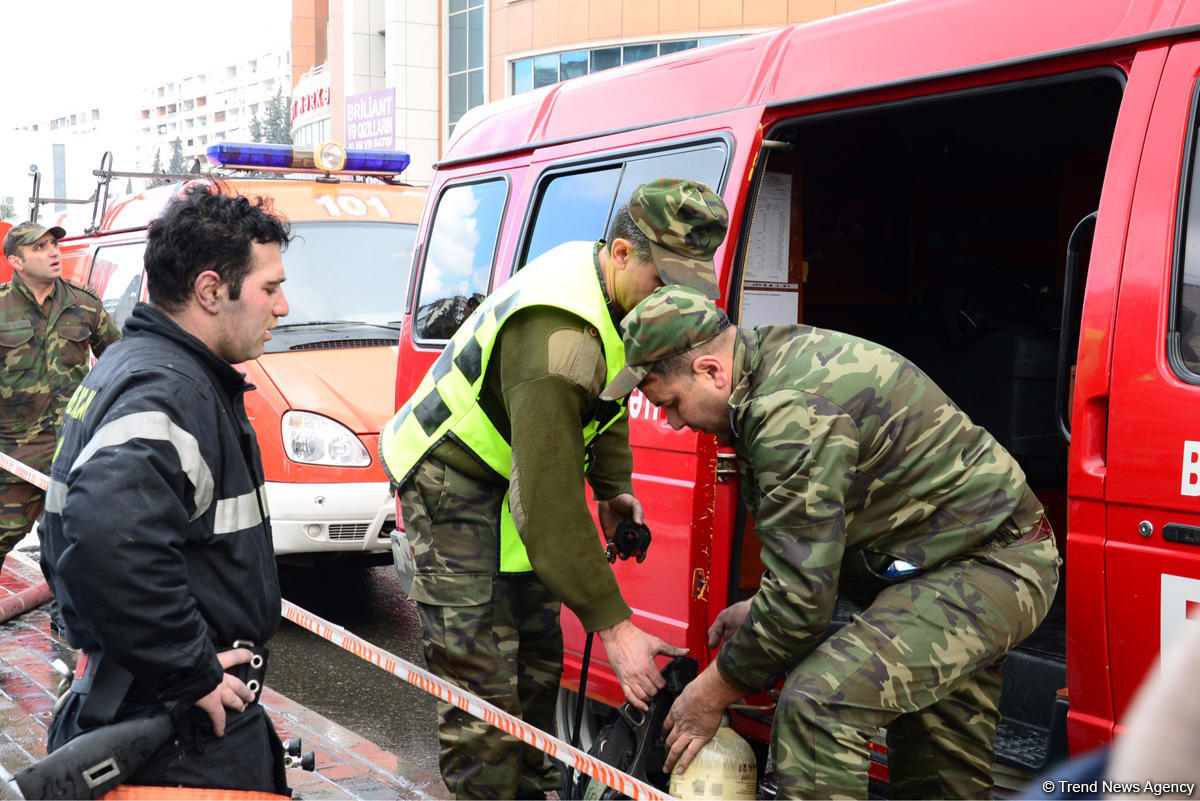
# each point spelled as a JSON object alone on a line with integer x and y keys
{"x": 323, "y": 388}
{"x": 1000, "y": 190}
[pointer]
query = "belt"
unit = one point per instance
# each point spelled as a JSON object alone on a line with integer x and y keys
{"x": 105, "y": 685}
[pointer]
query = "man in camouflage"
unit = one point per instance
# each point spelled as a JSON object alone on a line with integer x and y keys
{"x": 863, "y": 478}
{"x": 536, "y": 369}
{"x": 47, "y": 326}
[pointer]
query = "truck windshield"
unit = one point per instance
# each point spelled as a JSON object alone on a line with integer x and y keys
{"x": 352, "y": 272}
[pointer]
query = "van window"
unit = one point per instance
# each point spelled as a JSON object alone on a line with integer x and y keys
{"x": 459, "y": 256}
{"x": 1186, "y": 326}
{"x": 578, "y": 205}
{"x": 117, "y": 277}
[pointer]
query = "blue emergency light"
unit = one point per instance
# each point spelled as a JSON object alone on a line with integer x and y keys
{"x": 327, "y": 157}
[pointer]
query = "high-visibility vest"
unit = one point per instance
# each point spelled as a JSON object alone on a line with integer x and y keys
{"x": 446, "y": 404}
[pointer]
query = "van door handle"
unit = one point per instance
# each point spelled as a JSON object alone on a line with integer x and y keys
{"x": 1178, "y": 532}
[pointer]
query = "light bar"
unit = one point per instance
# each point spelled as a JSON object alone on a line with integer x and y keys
{"x": 328, "y": 157}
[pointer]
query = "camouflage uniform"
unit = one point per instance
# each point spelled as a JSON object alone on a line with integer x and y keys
{"x": 44, "y": 351}
{"x": 853, "y": 462}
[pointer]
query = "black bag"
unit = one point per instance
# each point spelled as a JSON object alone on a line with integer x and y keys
{"x": 633, "y": 741}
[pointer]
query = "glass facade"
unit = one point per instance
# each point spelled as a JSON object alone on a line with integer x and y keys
{"x": 535, "y": 72}
{"x": 464, "y": 57}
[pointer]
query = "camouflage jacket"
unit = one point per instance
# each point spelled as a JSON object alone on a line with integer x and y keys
{"x": 44, "y": 351}
{"x": 851, "y": 458}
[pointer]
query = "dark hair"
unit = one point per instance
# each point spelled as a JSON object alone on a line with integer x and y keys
{"x": 681, "y": 363}
{"x": 623, "y": 227}
{"x": 206, "y": 229}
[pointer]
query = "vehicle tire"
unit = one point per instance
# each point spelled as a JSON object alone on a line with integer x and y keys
{"x": 595, "y": 716}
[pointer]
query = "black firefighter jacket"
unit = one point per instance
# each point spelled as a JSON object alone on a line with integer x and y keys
{"x": 155, "y": 538}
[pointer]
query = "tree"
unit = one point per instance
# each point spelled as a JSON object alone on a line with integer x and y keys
{"x": 177, "y": 165}
{"x": 256, "y": 127}
{"x": 275, "y": 124}
{"x": 6, "y": 211}
{"x": 156, "y": 167}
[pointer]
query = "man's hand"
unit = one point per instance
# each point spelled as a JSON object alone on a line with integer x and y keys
{"x": 232, "y": 692}
{"x": 729, "y": 621}
{"x": 614, "y": 510}
{"x": 695, "y": 717}
{"x": 631, "y": 653}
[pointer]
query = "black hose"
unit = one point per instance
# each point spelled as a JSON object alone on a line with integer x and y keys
{"x": 583, "y": 672}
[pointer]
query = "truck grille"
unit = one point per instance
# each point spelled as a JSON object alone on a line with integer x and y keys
{"x": 348, "y": 531}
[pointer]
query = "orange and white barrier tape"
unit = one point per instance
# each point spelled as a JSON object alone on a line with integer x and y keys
{"x": 572, "y": 757}
{"x": 22, "y": 470}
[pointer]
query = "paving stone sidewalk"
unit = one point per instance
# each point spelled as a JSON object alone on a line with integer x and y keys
{"x": 347, "y": 765}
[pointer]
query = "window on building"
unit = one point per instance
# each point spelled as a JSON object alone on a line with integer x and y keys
{"x": 464, "y": 57}
{"x": 632, "y": 53}
{"x": 459, "y": 256}
{"x": 572, "y": 64}
{"x": 550, "y": 68}
{"x": 675, "y": 47}
{"x": 606, "y": 58}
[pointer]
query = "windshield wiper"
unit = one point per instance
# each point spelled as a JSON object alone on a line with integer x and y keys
{"x": 311, "y": 323}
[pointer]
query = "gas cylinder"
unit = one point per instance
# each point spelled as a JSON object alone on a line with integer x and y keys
{"x": 723, "y": 769}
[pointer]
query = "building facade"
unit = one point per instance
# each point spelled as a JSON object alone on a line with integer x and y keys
{"x": 443, "y": 57}
{"x": 204, "y": 108}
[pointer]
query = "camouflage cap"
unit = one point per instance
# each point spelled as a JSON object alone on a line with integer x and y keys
{"x": 673, "y": 319}
{"x": 27, "y": 233}
{"x": 685, "y": 222}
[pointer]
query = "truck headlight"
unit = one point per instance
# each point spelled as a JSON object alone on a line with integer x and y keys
{"x": 312, "y": 439}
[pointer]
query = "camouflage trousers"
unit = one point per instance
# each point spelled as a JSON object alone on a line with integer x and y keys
{"x": 924, "y": 660}
{"x": 496, "y": 636}
{"x": 21, "y": 504}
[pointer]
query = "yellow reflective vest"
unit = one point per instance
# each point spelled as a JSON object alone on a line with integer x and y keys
{"x": 446, "y": 404}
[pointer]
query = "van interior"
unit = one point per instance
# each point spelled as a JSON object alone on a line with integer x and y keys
{"x": 940, "y": 227}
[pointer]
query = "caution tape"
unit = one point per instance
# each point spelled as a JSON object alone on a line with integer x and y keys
{"x": 22, "y": 470}
{"x": 572, "y": 757}
{"x": 622, "y": 782}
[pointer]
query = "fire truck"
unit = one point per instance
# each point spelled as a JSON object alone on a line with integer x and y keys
{"x": 325, "y": 384}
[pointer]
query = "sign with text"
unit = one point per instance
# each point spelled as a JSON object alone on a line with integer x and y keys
{"x": 371, "y": 120}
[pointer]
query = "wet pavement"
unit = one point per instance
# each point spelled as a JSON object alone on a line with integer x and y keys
{"x": 375, "y": 704}
{"x": 349, "y": 765}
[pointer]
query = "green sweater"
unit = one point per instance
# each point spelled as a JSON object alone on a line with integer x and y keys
{"x": 542, "y": 385}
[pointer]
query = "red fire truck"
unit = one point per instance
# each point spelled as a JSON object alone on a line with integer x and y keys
{"x": 1000, "y": 190}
